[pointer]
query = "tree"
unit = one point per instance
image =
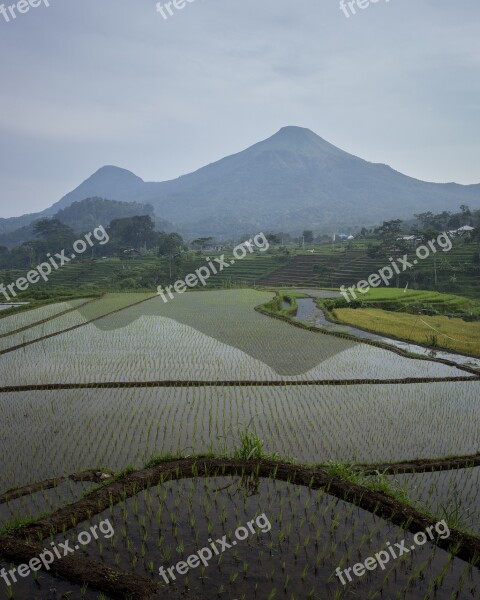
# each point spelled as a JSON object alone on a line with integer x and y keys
{"x": 466, "y": 214}
{"x": 308, "y": 236}
{"x": 52, "y": 236}
{"x": 52, "y": 228}
{"x": 455, "y": 221}
{"x": 426, "y": 219}
{"x": 363, "y": 232}
{"x": 169, "y": 243}
{"x": 4, "y": 255}
{"x": 201, "y": 242}
{"x": 273, "y": 238}
{"x": 388, "y": 234}
{"x": 390, "y": 230}
{"x": 132, "y": 232}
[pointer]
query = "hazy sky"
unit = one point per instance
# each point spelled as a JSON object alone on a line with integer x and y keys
{"x": 86, "y": 83}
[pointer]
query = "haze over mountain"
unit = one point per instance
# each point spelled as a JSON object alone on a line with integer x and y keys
{"x": 292, "y": 180}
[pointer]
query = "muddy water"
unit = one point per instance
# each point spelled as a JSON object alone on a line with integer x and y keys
{"x": 308, "y": 312}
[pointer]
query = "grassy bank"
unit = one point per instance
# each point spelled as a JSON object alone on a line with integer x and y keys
{"x": 449, "y": 333}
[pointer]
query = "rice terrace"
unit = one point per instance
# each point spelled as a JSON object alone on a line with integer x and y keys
{"x": 176, "y": 422}
{"x": 247, "y": 365}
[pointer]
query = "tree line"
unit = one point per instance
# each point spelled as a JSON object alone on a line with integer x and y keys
{"x": 128, "y": 237}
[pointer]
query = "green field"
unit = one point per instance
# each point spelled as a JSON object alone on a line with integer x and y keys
{"x": 447, "y": 333}
{"x": 414, "y": 301}
{"x": 434, "y": 319}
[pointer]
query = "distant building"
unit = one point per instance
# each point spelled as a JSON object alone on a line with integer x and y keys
{"x": 461, "y": 231}
{"x": 410, "y": 240}
{"x": 213, "y": 247}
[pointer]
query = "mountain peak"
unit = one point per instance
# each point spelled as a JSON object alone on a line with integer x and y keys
{"x": 300, "y": 140}
{"x": 116, "y": 173}
{"x": 109, "y": 182}
{"x": 295, "y": 130}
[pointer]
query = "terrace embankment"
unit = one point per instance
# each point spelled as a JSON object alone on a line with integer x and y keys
{"x": 422, "y": 466}
{"x": 409, "y": 466}
{"x": 253, "y": 383}
{"x": 113, "y": 582}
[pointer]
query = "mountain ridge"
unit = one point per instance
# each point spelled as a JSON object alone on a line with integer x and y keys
{"x": 291, "y": 180}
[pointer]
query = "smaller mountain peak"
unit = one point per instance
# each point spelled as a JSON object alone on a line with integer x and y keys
{"x": 112, "y": 171}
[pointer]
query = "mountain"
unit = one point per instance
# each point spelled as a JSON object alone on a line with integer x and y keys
{"x": 85, "y": 215}
{"x": 107, "y": 182}
{"x": 296, "y": 179}
{"x": 292, "y": 180}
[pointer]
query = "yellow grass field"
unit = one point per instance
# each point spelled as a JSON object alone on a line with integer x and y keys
{"x": 417, "y": 328}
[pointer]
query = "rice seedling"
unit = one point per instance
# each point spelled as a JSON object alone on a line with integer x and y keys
{"x": 123, "y": 346}
{"x": 284, "y": 561}
{"x": 322, "y": 423}
{"x": 450, "y": 495}
{"x": 29, "y": 318}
